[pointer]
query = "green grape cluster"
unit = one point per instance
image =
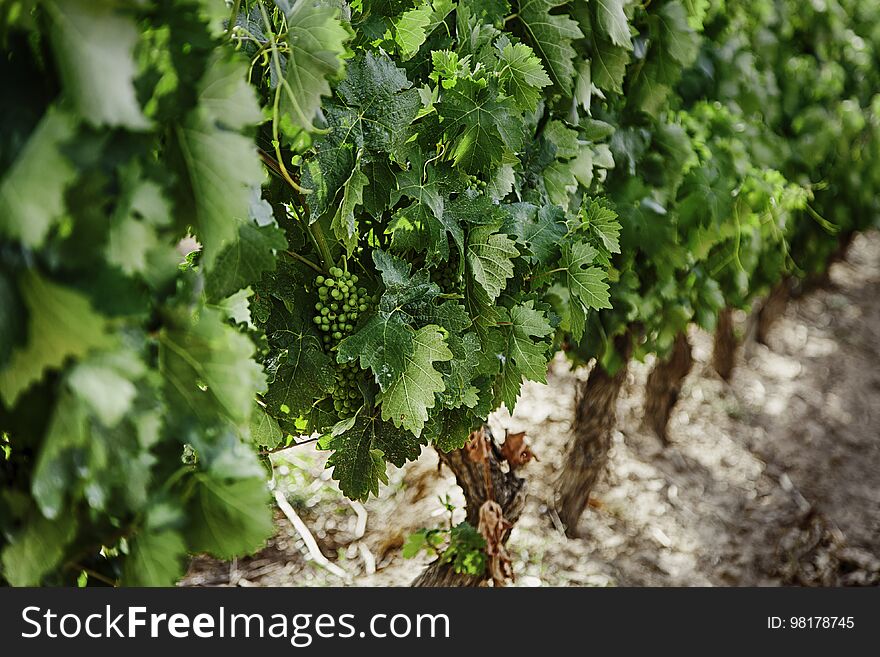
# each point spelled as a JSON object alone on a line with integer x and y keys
{"x": 476, "y": 182}
{"x": 446, "y": 274}
{"x": 340, "y": 303}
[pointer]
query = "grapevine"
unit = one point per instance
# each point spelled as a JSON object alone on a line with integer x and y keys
{"x": 364, "y": 225}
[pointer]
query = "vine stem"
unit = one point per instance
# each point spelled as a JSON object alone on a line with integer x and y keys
{"x": 235, "y": 7}
{"x": 313, "y": 228}
{"x": 274, "y": 450}
{"x": 304, "y": 260}
{"x": 546, "y": 273}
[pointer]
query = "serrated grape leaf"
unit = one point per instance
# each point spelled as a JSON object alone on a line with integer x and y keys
{"x": 382, "y": 345}
{"x": 372, "y": 109}
{"x": 609, "y": 65}
{"x": 520, "y": 355}
{"x": 62, "y": 324}
{"x": 344, "y": 223}
{"x": 133, "y": 235}
{"x": 30, "y": 201}
{"x": 522, "y": 75}
{"x": 489, "y": 255}
{"x": 360, "y": 452}
{"x": 407, "y": 399}
{"x": 316, "y": 40}
{"x": 156, "y": 558}
{"x": 423, "y": 226}
{"x": 245, "y": 260}
{"x": 301, "y": 359}
{"x": 264, "y": 428}
{"x": 612, "y": 21}
{"x": 551, "y": 36}
{"x": 94, "y": 44}
{"x": 37, "y": 549}
{"x": 540, "y": 230}
{"x": 586, "y": 284}
{"x": 410, "y": 29}
{"x": 237, "y": 307}
{"x": 228, "y": 518}
{"x": 602, "y": 224}
{"x": 220, "y": 166}
{"x": 480, "y": 124}
{"x": 207, "y": 368}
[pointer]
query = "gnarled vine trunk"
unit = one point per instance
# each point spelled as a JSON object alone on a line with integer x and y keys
{"x": 724, "y": 345}
{"x": 505, "y": 488}
{"x": 664, "y": 385}
{"x": 771, "y": 309}
{"x": 595, "y": 415}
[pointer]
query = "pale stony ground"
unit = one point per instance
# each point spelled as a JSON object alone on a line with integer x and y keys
{"x": 772, "y": 479}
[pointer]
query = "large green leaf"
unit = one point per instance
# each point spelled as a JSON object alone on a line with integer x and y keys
{"x": 316, "y": 39}
{"x": 228, "y": 518}
{"x": 407, "y": 400}
{"x": 94, "y": 45}
{"x": 62, "y": 324}
{"x": 360, "y": 452}
{"x": 551, "y": 36}
{"x": 220, "y": 166}
{"x": 31, "y": 202}
{"x": 208, "y": 368}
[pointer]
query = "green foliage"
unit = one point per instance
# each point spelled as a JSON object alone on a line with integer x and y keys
{"x": 114, "y": 365}
{"x": 473, "y": 186}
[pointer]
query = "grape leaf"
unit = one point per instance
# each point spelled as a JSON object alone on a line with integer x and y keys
{"x": 220, "y": 166}
{"x": 62, "y": 325}
{"x": 612, "y": 20}
{"x": 344, "y": 222}
{"x": 31, "y": 202}
{"x": 94, "y": 44}
{"x": 302, "y": 358}
{"x": 382, "y": 345}
{"x": 245, "y": 260}
{"x": 228, "y": 517}
{"x": 519, "y": 355}
{"x": 359, "y": 455}
{"x": 609, "y": 65}
{"x": 208, "y": 369}
{"x": 522, "y": 74}
{"x": 540, "y": 230}
{"x": 316, "y": 39}
{"x": 407, "y": 399}
{"x": 480, "y": 124}
{"x": 586, "y": 284}
{"x": 489, "y": 255}
{"x": 551, "y": 36}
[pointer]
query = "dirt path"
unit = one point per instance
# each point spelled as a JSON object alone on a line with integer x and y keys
{"x": 772, "y": 479}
